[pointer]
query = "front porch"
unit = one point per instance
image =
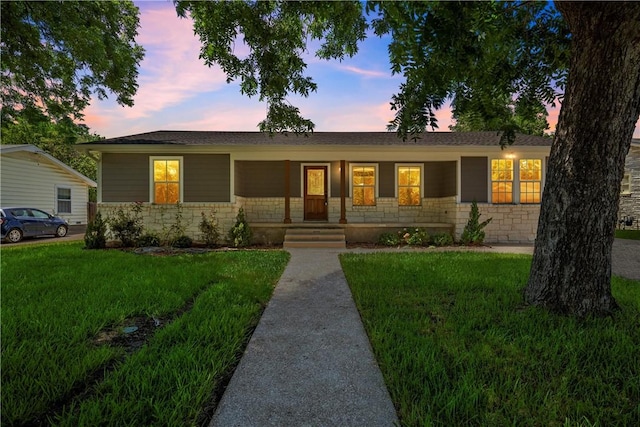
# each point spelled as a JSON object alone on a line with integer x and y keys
{"x": 274, "y": 233}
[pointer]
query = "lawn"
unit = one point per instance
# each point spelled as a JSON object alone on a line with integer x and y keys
{"x": 628, "y": 234}
{"x": 62, "y": 307}
{"x": 457, "y": 347}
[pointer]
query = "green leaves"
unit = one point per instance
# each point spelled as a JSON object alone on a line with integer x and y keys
{"x": 55, "y": 55}
{"x": 276, "y": 34}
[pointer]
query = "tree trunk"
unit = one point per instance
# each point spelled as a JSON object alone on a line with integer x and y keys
{"x": 571, "y": 268}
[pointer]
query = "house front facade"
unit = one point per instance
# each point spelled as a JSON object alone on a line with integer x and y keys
{"x": 629, "y": 212}
{"x": 364, "y": 182}
{"x": 30, "y": 177}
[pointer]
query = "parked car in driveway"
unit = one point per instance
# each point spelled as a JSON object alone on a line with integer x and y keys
{"x": 18, "y": 223}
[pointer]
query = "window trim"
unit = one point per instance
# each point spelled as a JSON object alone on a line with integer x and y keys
{"x": 516, "y": 181}
{"x": 409, "y": 165}
{"x": 376, "y": 172}
{"x": 58, "y": 200}
{"x": 180, "y": 160}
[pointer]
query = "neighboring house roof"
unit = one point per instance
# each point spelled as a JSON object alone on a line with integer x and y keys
{"x": 6, "y": 149}
{"x": 164, "y": 137}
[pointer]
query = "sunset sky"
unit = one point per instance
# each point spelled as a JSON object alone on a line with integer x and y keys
{"x": 178, "y": 92}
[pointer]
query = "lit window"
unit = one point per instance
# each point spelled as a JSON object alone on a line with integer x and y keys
{"x": 530, "y": 180}
{"x": 409, "y": 185}
{"x": 502, "y": 181}
{"x": 364, "y": 185}
{"x": 166, "y": 181}
{"x": 626, "y": 184}
{"x": 63, "y": 198}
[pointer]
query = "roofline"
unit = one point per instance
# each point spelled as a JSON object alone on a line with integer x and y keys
{"x": 36, "y": 150}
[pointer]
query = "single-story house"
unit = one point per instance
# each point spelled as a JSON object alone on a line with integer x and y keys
{"x": 364, "y": 183}
{"x": 31, "y": 177}
{"x": 629, "y": 212}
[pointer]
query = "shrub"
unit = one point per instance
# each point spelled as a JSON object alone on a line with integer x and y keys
{"x": 389, "y": 239}
{"x": 149, "y": 239}
{"x": 240, "y": 233}
{"x": 209, "y": 228}
{"x": 95, "y": 235}
{"x": 414, "y": 236}
{"x": 442, "y": 239}
{"x": 127, "y": 226}
{"x": 183, "y": 241}
{"x": 172, "y": 231}
{"x": 473, "y": 233}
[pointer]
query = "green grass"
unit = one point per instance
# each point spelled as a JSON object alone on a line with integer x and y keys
{"x": 457, "y": 347}
{"x": 57, "y": 298}
{"x": 628, "y": 234}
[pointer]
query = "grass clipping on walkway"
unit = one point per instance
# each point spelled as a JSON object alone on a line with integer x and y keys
{"x": 457, "y": 347}
{"x": 58, "y": 300}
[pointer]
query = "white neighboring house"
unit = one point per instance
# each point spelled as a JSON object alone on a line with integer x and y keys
{"x": 32, "y": 178}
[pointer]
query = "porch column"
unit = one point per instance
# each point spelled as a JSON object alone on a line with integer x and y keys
{"x": 287, "y": 192}
{"x": 343, "y": 192}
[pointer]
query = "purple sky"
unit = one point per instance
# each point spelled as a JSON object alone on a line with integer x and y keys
{"x": 178, "y": 92}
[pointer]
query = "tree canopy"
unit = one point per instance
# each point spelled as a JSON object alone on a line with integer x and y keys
{"x": 55, "y": 55}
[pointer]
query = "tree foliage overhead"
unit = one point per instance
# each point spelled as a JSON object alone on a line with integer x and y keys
{"x": 277, "y": 34}
{"x": 494, "y": 61}
{"x": 55, "y": 55}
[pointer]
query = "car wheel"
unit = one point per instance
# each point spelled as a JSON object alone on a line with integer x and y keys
{"x": 14, "y": 235}
{"x": 61, "y": 231}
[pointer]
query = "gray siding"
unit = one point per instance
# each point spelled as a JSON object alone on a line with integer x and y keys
{"x": 387, "y": 177}
{"x": 207, "y": 178}
{"x": 474, "y": 175}
{"x": 334, "y": 179}
{"x": 125, "y": 177}
{"x": 260, "y": 178}
{"x": 439, "y": 179}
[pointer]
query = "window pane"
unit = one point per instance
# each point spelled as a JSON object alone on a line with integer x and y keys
{"x": 369, "y": 176}
{"x": 64, "y": 206}
{"x": 160, "y": 193}
{"x": 369, "y": 196}
{"x": 173, "y": 170}
{"x": 409, "y": 196}
{"x": 403, "y": 176}
{"x": 159, "y": 170}
{"x": 315, "y": 182}
{"x": 358, "y": 196}
{"x": 64, "y": 193}
{"x": 358, "y": 176}
{"x": 173, "y": 193}
{"x": 501, "y": 192}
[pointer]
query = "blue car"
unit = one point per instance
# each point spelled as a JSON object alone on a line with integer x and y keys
{"x": 17, "y": 223}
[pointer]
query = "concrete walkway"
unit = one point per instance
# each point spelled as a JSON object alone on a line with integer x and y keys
{"x": 309, "y": 361}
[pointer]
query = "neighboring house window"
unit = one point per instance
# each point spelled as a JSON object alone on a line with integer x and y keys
{"x": 626, "y": 184}
{"x": 167, "y": 174}
{"x": 530, "y": 180}
{"x": 502, "y": 181}
{"x": 63, "y": 197}
{"x": 409, "y": 185}
{"x": 364, "y": 185}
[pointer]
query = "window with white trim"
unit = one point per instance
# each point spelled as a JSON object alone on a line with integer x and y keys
{"x": 166, "y": 173}
{"x": 363, "y": 185}
{"x": 530, "y": 180}
{"x": 502, "y": 181}
{"x": 63, "y": 200}
{"x": 409, "y": 185}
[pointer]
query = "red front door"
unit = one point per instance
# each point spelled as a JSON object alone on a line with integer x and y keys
{"x": 315, "y": 193}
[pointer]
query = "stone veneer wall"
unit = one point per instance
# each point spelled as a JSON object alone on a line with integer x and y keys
{"x": 160, "y": 217}
{"x": 630, "y": 203}
{"x": 510, "y": 223}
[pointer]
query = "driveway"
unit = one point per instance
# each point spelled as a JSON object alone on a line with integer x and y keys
{"x": 76, "y": 232}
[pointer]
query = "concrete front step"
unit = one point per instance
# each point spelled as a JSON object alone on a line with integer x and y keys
{"x": 314, "y": 238}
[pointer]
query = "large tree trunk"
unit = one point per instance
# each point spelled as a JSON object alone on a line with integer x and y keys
{"x": 571, "y": 269}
